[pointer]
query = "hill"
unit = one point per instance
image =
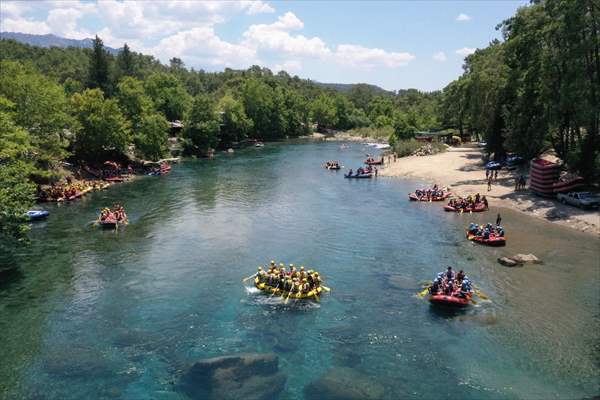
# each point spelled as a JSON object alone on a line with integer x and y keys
{"x": 51, "y": 41}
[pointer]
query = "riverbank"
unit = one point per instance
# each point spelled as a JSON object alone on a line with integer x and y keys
{"x": 461, "y": 169}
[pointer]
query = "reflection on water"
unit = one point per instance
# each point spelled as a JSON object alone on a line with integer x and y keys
{"x": 122, "y": 314}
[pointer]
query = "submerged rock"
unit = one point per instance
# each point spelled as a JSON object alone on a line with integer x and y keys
{"x": 526, "y": 258}
{"x": 509, "y": 262}
{"x": 250, "y": 376}
{"x": 344, "y": 384}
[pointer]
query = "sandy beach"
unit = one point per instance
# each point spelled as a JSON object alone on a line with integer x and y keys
{"x": 461, "y": 169}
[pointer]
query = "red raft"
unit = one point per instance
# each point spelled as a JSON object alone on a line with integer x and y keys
{"x": 493, "y": 240}
{"x": 370, "y": 161}
{"x": 451, "y": 301}
{"x": 414, "y": 197}
{"x": 479, "y": 207}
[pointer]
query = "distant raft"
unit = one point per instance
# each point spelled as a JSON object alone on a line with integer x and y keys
{"x": 36, "y": 215}
{"x": 314, "y": 293}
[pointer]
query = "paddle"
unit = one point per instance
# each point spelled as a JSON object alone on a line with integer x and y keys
{"x": 251, "y": 276}
{"x": 288, "y": 296}
{"x": 481, "y": 295}
{"x": 422, "y": 293}
{"x": 325, "y": 288}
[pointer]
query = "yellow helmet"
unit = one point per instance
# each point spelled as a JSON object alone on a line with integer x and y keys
{"x": 281, "y": 264}
{"x": 304, "y": 280}
{"x": 291, "y": 265}
{"x": 302, "y": 268}
{"x": 316, "y": 274}
{"x": 259, "y": 268}
{"x": 272, "y": 262}
{"x": 310, "y": 271}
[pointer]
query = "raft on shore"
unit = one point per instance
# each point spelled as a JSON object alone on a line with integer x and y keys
{"x": 279, "y": 292}
{"x": 479, "y": 207}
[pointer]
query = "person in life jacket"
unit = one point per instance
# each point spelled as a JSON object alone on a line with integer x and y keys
{"x": 449, "y": 273}
{"x": 260, "y": 274}
{"x": 310, "y": 278}
{"x": 435, "y": 286}
{"x": 302, "y": 272}
{"x": 460, "y": 276}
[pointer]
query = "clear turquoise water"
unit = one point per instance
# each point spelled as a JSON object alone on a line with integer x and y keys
{"x": 99, "y": 314}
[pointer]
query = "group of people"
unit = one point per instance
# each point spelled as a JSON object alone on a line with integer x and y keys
{"x": 67, "y": 190}
{"x": 332, "y": 165}
{"x": 363, "y": 171}
{"x": 432, "y": 193}
{"x": 520, "y": 183}
{"x": 450, "y": 283}
{"x": 292, "y": 280}
{"x": 468, "y": 202}
{"x": 114, "y": 214}
{"x": 486, "y": 231}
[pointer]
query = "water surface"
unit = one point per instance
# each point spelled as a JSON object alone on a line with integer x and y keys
{"x": 102, "y": 314}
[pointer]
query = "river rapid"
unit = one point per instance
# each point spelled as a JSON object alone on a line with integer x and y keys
{"x": 102, "y": 314}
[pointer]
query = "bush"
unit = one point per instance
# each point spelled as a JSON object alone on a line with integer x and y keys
{"x": 404, "y": 148}
{"x": 382, "y": 133}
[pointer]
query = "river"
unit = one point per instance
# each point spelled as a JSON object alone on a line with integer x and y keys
{"x": 102, "y": 314}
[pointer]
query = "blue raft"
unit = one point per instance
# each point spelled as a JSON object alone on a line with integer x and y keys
{"x": 35, "y": 215}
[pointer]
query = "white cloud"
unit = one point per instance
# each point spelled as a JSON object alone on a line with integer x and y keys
{"x": 63, "y": 22}
{"x": 465, "y": 51}
{"x": 201, "y": 46}
{"x": 463, "y": 17}
{"x": 276, "y": 37}
{"x": 363, "y": 57}
{"x": 258, "y": 7}
{"x": 439, "y": 56}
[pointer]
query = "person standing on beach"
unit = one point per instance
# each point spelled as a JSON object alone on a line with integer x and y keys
{"x": 489, "y": 183}
{"x": 487, "y": 174}
{"x": 495, "y": 175}
{"x": 498, "y": 220}
{"x": 375, "y": 171}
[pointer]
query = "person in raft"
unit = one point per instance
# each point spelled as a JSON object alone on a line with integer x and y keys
{"x": 451, "y": 284}
{"x": 488, "y": 230}
{"x": 469, "y": 202}
{"x": 292, "y": 280}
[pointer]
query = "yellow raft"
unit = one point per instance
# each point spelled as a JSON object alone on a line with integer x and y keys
{"x": 279, "y": 292}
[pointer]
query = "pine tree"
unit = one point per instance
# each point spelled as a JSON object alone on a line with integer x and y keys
{"x": 98, "y": 75}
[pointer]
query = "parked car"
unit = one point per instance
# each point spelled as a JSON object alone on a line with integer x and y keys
{"x": 514, "y": 160}
{"x": 493, "y": 165}
{"x": 579, "y": 199}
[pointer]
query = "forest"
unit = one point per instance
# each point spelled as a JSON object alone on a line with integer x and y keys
{"x": 536, "y": 90}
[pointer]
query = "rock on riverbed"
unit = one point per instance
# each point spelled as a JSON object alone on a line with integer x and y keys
{"x": 249, "y": 376}
{"x": 343, "y": 384}
{"x": 519, "y": 259}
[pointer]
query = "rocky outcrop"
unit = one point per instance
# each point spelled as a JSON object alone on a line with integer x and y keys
{"x": 344, "y": 384}
{"x": 249, "y": 376}
{"x": 519, "y": 259}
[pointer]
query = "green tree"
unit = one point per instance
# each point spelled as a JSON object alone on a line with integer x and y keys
{"x": 126, "y": 62}
{"x": 168, "y": 94}
{"x": 16, "y": 190}
{"x": 133, "y": 101}
{"x": 323, "y": 112}
{"x": 202, "y": 125}
{"x": 99, "y": 68}
{"x": 235, "y": 124}
{"x": 150, "y": 136}
{"x": 40, "y": 108}
{"x": 103, "y": 131}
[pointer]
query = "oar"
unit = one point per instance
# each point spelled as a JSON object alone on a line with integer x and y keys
{"x": 251, "y": 276}
{"x": 316, "y": 295}
{"x": 422, "y": 293}
{"x": 473, "y": 301}
{"x": 288, "y": 296}
{"x": 325, "y": 288}
{"x": 481, "y": 295}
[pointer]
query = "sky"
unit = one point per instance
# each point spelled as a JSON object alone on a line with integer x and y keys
{"x": 392, "y": 44}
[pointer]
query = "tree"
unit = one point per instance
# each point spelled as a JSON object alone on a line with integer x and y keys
{"x": 103, "y": 131}
{"x": 133, "y": 101}
{"x": 98, "y": 74}
{"x": 235, "y": 124}
{"x": 126, "y": 62}
{"x": 323, "y": 112}
{"x": 168, "y": 95}
{"x": 150, "y": 136}
{"x": 16, "y": 190}
{"x": 41, "y": 108}
{"x": 202, "y": 125}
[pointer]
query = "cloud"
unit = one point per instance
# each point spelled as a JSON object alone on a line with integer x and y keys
{"x": 363, "y": 57}
{"x": 201, "y": 46}
{"x": 463, "y": 17}
{"x": 465, "y": 51}
{"x": 276, "y": 37}
{"x": 439, "y": 56}
{"x": 258, "y": 7}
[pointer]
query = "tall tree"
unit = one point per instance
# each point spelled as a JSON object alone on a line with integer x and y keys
{"x": 235, "y": 124}
{"x": 202, "y": 125}
{"x": 126, "y": 62}
{"x": 98, "y": 74}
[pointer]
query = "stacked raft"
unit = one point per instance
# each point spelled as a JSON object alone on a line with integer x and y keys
{"x": 544, "y": 179}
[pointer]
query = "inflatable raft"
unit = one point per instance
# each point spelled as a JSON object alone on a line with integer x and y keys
{"x": 479, "y": 207}
{"x": 361, "y": 176}
{"x": 414, "y": 197}
{"x": 374, "y": 162}
{"x": 279, "y": 292}
{"x": 450, "y": 301}
{"x": 35, "y": 215}
{"x": 492, "y": 241}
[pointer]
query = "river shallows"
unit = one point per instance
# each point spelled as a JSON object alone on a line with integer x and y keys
{"x": 100, "y": 314}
